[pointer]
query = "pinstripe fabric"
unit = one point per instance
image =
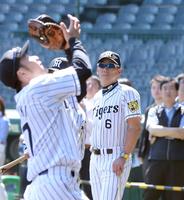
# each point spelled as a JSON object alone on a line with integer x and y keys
{"x": 54, "y": 124}
{"x": 109, "y": 115}
{"x": 57, "y": 184}
{"x": 105, "y": 184}
{"x": 109, "y": 132}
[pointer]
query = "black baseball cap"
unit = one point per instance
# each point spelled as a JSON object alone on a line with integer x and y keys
{"x": 9, "y": 64}
{"x": 58, "y": 63}
{"x": 110, "y": 55}
{"x": 46, "y": 18}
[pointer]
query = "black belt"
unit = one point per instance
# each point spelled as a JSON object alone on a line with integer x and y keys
{"x": 46, "y": 172}
{"x": 102, "y": 151}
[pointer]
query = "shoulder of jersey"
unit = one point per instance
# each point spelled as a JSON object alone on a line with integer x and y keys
{"x": 127, "y": 88}
{"x": 97, "y": 95}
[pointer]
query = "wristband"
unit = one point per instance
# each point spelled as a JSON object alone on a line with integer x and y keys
{"x": 125, "y": 155}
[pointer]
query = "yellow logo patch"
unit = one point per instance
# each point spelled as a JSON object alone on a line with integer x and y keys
{"x": 133, "y": 106}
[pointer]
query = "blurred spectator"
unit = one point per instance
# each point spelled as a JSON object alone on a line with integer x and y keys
{"x": 165, "y": 124}
{"x": 4, "y": 129}
{"x": 143, "y": 141}
{"x": 93, "y": 86}
{"x": 180, "y": 79}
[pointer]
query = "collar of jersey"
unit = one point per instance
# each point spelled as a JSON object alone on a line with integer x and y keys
{"x": 109, "y": 88}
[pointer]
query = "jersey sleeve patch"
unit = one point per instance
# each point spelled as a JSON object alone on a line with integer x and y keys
{"x": 133, "y": 106}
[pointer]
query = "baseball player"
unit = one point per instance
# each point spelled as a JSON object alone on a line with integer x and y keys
{"x": 73, "y": 102}
{"x": 116, "y": 128}
{"x": 3, "y": 193}
{"x": 46, "y": 118}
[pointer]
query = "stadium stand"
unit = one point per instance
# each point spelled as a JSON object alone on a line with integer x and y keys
{"x": 147, "y": 34}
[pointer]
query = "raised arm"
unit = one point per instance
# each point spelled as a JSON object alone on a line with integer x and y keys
{"x": 76, "y": 54}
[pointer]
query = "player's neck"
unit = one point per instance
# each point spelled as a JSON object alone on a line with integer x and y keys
{"x": 110, "y": 87}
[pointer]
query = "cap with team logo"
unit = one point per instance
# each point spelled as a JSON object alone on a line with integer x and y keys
{"x": 58, "y": 63}
{"x": 110, "y": 55}
{"x": 10, "y": 63}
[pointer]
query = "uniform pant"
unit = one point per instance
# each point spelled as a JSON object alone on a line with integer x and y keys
{"x": 168, "y": 173}
{"x": 58, "y": 183}
{"x": 3, "y": 193}
{"x": 105, "y": 184}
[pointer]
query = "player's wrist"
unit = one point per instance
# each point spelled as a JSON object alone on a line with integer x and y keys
{"x": 124, "y": 155}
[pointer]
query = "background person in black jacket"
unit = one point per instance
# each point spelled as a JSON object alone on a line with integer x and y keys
{"x": 165, "y": 124}
{"x": 143, "y": 144}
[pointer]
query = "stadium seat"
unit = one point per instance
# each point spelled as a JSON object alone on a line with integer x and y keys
{"x": 141, "y": 26}
{"x": 97, "y": 2}
{"x": 166, "y": 52}
{"x": 22, "y": 8}
{"x": 44, "y": 1}
{"x": 41, "y": 8}
{"x": 180, "y": 10}
{"x": 152, "y": 1}
{"x": 126, "y": 18}
{"x": 171, "y": 9}
{"x": 103, "y": 26}
{"x": 178, "y": 26}
{"x": 24, "y": 1}
{"x": 130, "y": 9}
{"x": 172, "y": 1}
{"x": 65, "y": 2}
{"x": 9, "y": 1}
{"x": 123, "y": 26}
{"x": 2, "y": 17}
{"x": 31, "y": 14}
{"x": 106, "y": 18}
{"x": 162, "y": 18}
{"x": 9, "y": 27}
{"x": 4, "y": 8}
{"x": 144, "y": 18}
{"x": 179, "y": 18}
{"x": 150, "y": 9}
{"x": 56, "y": 8}
{"x": 14, "y": 17}
{"x": 161, "y": 26}
{"x": 83, "y": 2}
{"x": 138, "y": 54}
{"x": 86, "y": 25}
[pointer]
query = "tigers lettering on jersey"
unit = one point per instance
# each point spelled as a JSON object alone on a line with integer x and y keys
{"x": 106, "y": 109}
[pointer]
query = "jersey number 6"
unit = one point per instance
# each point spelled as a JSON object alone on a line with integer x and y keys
{"x": 108, "y": 123}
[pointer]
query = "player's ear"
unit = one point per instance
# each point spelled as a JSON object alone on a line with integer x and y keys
{"x": 97, "y": 73}
{"x": 22, "y": 75}
{"x": 120, "y": 70}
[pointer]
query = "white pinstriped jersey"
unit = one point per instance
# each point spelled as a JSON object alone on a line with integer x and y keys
{"x": 111, "y": 110}
{"x": 45, "y": 112}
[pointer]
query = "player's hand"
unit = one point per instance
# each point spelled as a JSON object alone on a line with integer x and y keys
{"x": 118, "y": 166}
{"x": 73, "y": 31}
{"x": 152, "y": 138}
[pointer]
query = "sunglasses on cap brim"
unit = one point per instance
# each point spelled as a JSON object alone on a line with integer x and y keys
{"x": 107, "y": 65}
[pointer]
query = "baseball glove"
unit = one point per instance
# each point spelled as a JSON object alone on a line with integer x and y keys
{"x": 48, "y": 34}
